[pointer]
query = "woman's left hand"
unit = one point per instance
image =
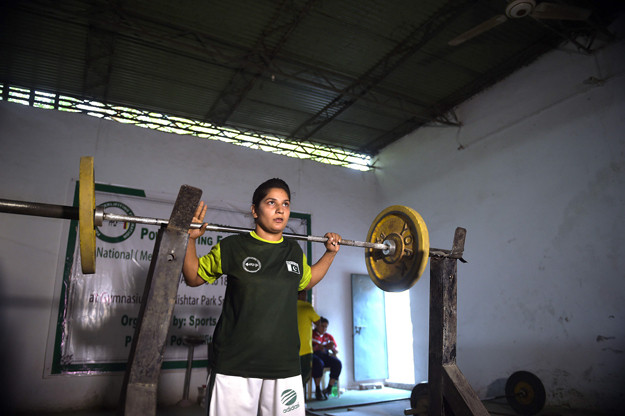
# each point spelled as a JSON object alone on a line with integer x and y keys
{"x": 333, "y": 243}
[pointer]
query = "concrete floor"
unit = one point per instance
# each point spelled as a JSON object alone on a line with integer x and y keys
{"x": 397, "y": 407}
{"x": 351, "y": 403}
{"x": 194, "y": 410}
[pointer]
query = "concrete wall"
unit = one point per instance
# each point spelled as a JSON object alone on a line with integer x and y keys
{"x": 39, "y": 156}
{"x": 536, "y": 175}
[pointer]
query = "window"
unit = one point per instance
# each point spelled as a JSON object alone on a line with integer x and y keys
{"x": 178, "y": 125}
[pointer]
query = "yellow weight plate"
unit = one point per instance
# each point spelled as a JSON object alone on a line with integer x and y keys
{"x": 525, "y": 393}
{"x": 86, "y": 226}
{"x": 400, "y": 270}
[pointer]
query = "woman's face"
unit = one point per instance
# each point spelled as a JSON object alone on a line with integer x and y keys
{"x": 272, "y": 214}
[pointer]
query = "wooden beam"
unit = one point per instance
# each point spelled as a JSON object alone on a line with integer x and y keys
{"x": 443, "y": 326}
{"x": 459, "y": 395}
{"x": 140, "y": 387}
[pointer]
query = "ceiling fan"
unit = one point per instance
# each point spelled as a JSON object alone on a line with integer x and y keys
{"x": 517, "y": 9}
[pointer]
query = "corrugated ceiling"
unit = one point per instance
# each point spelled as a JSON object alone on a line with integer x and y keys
{"x": 357, "y": 74}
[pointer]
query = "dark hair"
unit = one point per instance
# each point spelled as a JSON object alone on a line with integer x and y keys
{"x": 263, "y": 189}
{"x": 323, "y": 320}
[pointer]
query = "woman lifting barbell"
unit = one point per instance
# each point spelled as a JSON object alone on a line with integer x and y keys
{"x": 255, "y": 348}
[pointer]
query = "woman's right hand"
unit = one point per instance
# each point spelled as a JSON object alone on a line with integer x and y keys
{"x": 198, "y": 218}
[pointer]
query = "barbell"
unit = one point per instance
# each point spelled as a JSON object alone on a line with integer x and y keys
{"x": 396, "y": 250}
{"x": 524, "y": 392}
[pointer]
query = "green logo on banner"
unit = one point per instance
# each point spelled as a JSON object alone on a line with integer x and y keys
{"x": 115, "y": 232}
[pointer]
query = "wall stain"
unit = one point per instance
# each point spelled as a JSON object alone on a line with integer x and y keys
{"x": 601, "y": 338}
{"x": 614, "y": 350}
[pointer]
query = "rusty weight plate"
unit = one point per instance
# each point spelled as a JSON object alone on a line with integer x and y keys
{"x": 525, "y": 393}
{"x": 406, "y": 229}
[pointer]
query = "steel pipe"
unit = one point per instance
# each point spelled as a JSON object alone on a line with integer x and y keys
{"x": 100, "y": 216}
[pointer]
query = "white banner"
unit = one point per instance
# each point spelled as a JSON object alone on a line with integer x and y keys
{"x": 99, "y": 312}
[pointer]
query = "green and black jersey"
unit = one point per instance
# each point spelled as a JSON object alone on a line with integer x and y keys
{"x": 257, "y": 335}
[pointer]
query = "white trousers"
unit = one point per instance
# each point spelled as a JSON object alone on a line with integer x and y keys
{"x": 241, "y": 396}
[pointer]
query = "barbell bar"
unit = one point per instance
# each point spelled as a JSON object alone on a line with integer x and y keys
{"x": 101, "y": 216}
{"x": 396, "y": 250}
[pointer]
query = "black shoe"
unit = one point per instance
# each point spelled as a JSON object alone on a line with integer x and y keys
{"x": 320, "y": 395}
{"x": 328, "y": 391}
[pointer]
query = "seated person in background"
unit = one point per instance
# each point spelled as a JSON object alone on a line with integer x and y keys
{"x": 324, "y": 355}
{"x": 306, "y": 317}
